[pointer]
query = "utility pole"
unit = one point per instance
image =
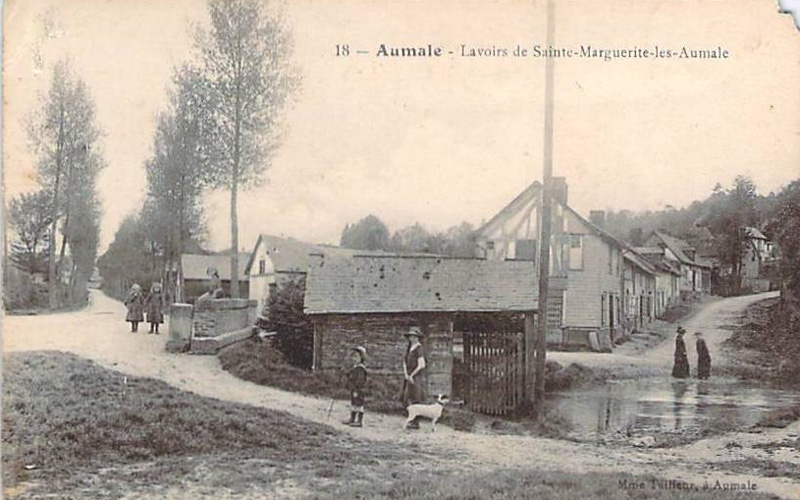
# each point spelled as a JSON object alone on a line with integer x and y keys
{"x": 546, "y": 222}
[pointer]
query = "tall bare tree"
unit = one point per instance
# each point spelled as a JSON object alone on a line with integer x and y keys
{"x": 245, "y": 61}
{"x": 63, "y": 135}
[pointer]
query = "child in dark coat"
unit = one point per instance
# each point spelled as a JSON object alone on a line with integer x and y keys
{"x": 154, "y": 306}
{"x": 135, "y": 304}
{"x": 356, "y": 383}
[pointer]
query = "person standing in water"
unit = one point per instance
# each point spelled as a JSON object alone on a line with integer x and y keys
{"x": 681, "y": 367}
{"x": 703, "y": 358}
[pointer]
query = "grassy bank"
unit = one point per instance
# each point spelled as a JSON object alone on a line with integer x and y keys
{"x": 258, "y": 362}
{"x": 524, "y": 485}
{"x": 71, "y": 427}
{"x": 766, "y": 344}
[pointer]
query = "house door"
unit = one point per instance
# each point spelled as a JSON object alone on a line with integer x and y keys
{"x": 612, "y": 321}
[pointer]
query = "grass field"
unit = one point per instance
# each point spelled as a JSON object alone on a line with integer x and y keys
{"x": 72, "y": 429}
{"x": 69, "y": 425}
{"x": 522, "y": 485}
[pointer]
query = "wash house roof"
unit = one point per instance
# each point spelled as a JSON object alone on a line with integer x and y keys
{"x": 397, "y": 284}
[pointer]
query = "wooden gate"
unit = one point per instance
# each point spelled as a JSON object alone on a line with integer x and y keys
{"x": 495, "y": 368}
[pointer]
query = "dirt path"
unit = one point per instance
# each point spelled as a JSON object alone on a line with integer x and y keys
{"x": 99, "y": 333}
{"x": 711, "y": 319}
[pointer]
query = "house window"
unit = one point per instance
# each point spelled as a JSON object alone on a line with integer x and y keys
{"x": 610, "y": 260}
{"x": 576, "y": 252}
{"x": 262, "y": 266}
{"x": 525, "y": 250}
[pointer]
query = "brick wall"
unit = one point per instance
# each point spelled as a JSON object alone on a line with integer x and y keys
{"x": 382, "y": 336}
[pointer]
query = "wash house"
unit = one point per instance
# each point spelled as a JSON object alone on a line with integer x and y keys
{"x": 373, "y": 301}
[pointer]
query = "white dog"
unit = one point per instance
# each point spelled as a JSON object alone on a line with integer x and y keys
{"x": 432, "y": 412}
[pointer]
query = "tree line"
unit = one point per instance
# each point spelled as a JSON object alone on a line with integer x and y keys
{"x": 57, "y": 226}
{"x": 370, "y": 233}
{"x": 717, "y": 225}
{"x": 219, "y": 131}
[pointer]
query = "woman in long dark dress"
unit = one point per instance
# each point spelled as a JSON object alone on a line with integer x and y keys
{"x": 414, "y": 366}
{"x": 703, "y": 358}
{"x": 135, "y": 304}
{"x": 155, "y": 307}
{"x": 681, "y": 367}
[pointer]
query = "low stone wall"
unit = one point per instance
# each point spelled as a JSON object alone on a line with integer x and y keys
{"x": 220, "y": 322}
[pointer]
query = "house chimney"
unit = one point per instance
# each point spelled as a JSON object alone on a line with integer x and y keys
{"x": 559, "y": 189}
{"x": 597, "y": 217}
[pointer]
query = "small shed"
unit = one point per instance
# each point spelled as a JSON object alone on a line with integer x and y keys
{"x": 373, "y": 300}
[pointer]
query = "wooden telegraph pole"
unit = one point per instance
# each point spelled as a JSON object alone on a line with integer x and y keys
{"x": 546, "y": 222}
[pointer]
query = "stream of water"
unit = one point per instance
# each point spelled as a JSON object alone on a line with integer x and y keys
{"x": 655, "y": 406}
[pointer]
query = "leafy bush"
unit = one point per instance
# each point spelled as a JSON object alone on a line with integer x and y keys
{"x": 295, "y": 333}
{"x": 21, "y": 292}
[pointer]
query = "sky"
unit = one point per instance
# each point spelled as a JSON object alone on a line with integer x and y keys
{"x": 436, "y": 140}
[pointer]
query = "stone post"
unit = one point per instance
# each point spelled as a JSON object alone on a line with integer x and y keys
{"x": 180, "y": 327}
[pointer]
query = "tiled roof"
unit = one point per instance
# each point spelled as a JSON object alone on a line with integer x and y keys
{"x": 677, "y": 246}
{"x": 388, "y": 284}
{"x": 649, "y": 250}
{"x": 194, "y": 266}
{"x": 291, "y": 255}
{"x": 640, "y": 262}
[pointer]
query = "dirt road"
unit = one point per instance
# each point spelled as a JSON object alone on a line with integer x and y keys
{"x": 711, "y": 319}
{"x": 99, "y": 333}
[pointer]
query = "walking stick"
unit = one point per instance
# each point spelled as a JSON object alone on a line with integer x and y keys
{"x": 330, "y": 409}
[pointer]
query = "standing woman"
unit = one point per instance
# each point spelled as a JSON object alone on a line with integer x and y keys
{"x": 414, "y": 365}
{"x": 155, "y": 307}
{"x": 135, "y": 305}
{"x": 681, "y": 367}
{"x": 703, "y": 358}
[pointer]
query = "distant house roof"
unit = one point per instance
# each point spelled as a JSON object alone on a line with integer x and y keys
{"x": 534, "y": 190}
{"x": 655, "y": 255}
{"x": 287, "y": 254}
{"x": 677, "y": 246}
{"x": 394, "y": 284}
{"x": 650, "y": 250}
{"x": 755, "y": 233}
{"x": 294, "y": 256}
{"x": 194, "y": 266}
{"x": 640, "y": 261}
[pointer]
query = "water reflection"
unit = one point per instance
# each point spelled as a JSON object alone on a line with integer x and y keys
{"x": 668, "y": 405}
